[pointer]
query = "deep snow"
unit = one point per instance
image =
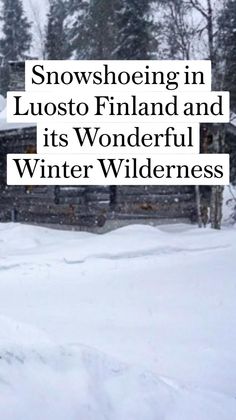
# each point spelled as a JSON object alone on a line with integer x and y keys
{"x": 137, "y": 324}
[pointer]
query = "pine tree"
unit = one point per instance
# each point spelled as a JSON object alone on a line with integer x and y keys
{"x": 16, "y": 38}
{"x": 57, "y": 45}
{"x": 94, "y": 31}
{"x": 111, "y": 29}
{"x": 77, "y": 10}
{"x": 134, "y": 30}
{"x": 16, "y": 31}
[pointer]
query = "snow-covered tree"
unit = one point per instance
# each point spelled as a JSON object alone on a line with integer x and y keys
{"x": 93, "y": 31}
{"x": 57, "y": 45}
{"x": 134, "y": 30}
{"x": 37, "y": 12}
{"x": 16, "y": 38}
{"x": 208, "y": 11}
{"x": 180, "y": 30}
{"x": 111, "y": 29}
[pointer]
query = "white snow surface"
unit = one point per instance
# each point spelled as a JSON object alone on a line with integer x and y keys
{"x": 136, "y": 324}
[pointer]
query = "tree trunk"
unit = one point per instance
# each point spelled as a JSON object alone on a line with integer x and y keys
{"x": 218, "y": 145}
{"x": 216, "y": 206}
{"x": 198, "y": 205}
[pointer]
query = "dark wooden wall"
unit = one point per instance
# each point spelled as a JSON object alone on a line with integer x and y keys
{"x": 82, "y": 206}
{"x": 17, "y": 75}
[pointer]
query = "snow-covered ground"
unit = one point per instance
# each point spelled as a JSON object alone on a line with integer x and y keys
{"x": 136, "y": 324}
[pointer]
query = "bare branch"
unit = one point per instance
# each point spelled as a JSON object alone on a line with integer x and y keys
{"x": 196, "y": 5}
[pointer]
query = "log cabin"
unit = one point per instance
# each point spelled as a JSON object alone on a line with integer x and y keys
{"x": 87, "y": 207}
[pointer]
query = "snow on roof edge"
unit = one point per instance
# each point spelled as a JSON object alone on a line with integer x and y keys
{"x": 4, "y": 126}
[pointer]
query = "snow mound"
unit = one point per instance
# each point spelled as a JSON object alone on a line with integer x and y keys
{"x": 136, "y": 324}
{"x": 14, "y": 334}
{"x": 78, "y": 382}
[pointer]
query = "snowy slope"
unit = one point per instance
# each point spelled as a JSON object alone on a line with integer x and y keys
{"x": 137, "y": 324}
